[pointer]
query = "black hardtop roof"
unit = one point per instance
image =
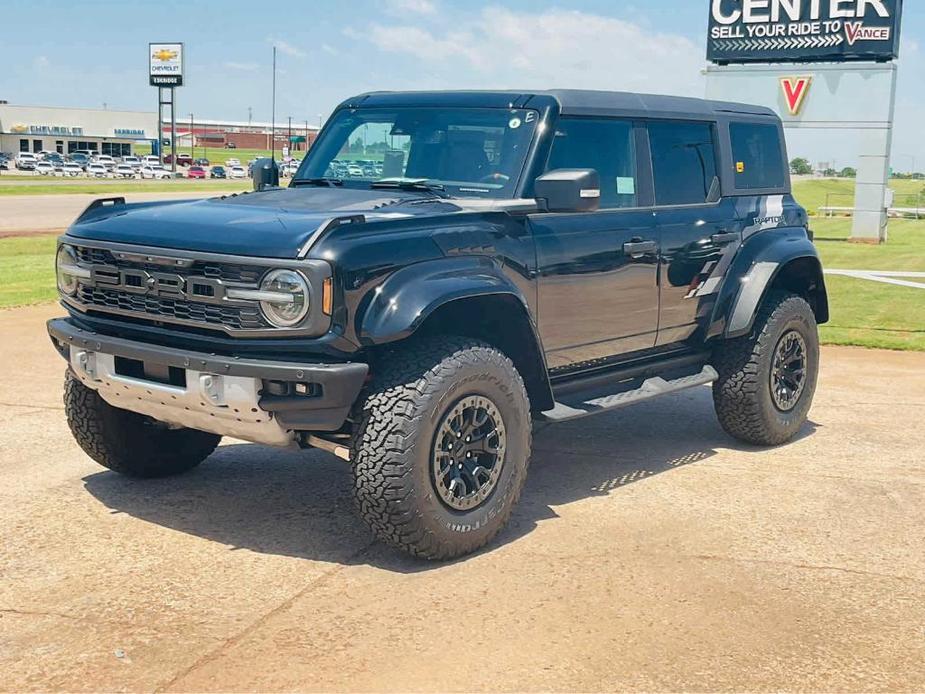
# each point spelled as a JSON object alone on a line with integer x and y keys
{"x": 578, "y": 102}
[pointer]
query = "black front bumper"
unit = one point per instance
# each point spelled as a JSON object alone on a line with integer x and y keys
{"x": 333, "y": 388}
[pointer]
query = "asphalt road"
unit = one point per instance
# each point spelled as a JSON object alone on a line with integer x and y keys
{"x": 649, "y": 552}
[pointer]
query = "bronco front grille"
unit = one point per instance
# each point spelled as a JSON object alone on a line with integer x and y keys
{"x": 186, "y": 291}
{"x": 156, "y": 308}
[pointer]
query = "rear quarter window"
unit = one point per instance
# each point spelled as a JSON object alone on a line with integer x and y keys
{"x": 757, "y": 156}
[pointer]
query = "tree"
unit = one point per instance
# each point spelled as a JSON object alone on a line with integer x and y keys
{"x": 800, "y": 167}
{"x": 830, "y": 173}
{"x": 848, "y": 172}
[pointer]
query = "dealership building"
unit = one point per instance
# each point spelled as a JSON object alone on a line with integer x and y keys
{"x": 117, "y": 133}
{"x": 65, "y": 130}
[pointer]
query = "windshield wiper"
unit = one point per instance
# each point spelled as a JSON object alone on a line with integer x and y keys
{"x": 421, "y": 184}
{"x": 322, "y": 181}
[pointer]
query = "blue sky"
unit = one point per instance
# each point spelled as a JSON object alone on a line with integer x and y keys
{"x": 91, "y": 52}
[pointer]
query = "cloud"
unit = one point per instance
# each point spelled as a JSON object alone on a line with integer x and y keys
{"x": 41, "y": 62}
{"x": 329, "y": 49}
{"x": 401, "y": 7}
{"x": 245, "y": 67}
{"x": 287, "y": 48}
{"x": 554, "y": 48}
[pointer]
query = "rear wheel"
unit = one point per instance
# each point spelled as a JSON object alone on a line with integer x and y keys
{"x": 767, "y": 380}
{"x": 129, "y": 443}
{"x": 441, "y": 448}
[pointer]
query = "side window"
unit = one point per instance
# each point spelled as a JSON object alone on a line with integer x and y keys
{"x": 683, "y": 162}
{"x": 756, "y": 156}
{"x": 606, "y": 145}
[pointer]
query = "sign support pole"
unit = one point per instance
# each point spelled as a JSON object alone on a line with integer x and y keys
{"x": 173, "y": 130}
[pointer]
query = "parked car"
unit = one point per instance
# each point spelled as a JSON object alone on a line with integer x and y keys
{"x": 150, "y": 160}
{"x": 134, "y": 162}
{"x": 230, "y": 145}
{"x": 155, "y": 172}
{"x": 97, "y": 170}
{"x": 196, "y": 172}
{"x": 124, "y": 171}
{"x": 661, "y": 249}
{"x": 106, "y": 160}
{"x": 88, "y": 153}
{"x": 4, "y": 161}
{"x": 71, "y": 169}
{"x": 233, "y": 162}
{"x": 354, "y": 171}
{"x": 45, "y": 168}
{"x": 202, "y": 161}
{"x": 236, "y": 172}
{"x": 182, "y": 159}
{"x": 26, "y": 161}
{"x": 80, "y": 159}
{"x": 218, "y": 172}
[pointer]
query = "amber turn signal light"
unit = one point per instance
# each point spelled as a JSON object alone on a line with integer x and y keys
{"x": 327, "y": 296}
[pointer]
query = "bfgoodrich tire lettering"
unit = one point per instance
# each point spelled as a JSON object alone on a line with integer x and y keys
{"x": 743, "y": 395}
{"x": 413, "y": 388}
{"x": 127, "y": 442}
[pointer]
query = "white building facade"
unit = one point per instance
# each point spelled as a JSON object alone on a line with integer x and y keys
{"x": 65, "y": 130}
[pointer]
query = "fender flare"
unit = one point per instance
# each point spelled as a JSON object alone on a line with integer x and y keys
{"x": 754, "y": 271}
{"x": 400, "y": 305}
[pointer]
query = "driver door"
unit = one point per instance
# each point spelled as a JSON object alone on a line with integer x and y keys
{"x": 598, "y": 271}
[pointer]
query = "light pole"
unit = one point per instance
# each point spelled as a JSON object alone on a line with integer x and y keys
{"x": 192, "y": 138}
{"x": 289, "y": 136}
{"x": 305, "y": 148}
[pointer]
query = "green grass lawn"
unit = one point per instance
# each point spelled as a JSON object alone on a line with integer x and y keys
{"x": 114, "y": 186}
{"x": 27, "y": 270}
{"x": 812, "y": 193}
{"x": 873, "y": 314}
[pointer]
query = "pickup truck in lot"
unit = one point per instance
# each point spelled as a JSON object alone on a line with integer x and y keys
{"x": 518, "y": 257}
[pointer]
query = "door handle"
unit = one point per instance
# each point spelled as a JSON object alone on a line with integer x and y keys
{"x": 637, "y": 249}
{"x": 724, "y": 237}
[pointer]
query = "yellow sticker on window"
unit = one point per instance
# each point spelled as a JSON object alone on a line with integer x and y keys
{"x": 740, "y": 167}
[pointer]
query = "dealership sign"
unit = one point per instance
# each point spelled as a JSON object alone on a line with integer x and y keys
{"x": 46, "y": 129}
{"x": 773, "y": 31}
{"x": 165, "y": 62}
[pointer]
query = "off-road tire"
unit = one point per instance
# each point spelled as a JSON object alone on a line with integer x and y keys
{"x": 129, "y": 443}
{"x": 412, "y": 388}
{"x": 742, "y": 394}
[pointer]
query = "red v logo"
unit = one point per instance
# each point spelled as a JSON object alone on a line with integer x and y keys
{"x": 795, "y": 90}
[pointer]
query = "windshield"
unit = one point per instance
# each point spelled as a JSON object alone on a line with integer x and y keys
{"x": 464, "y": 151}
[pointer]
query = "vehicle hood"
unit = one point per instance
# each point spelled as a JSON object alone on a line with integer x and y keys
{"x": 274, "y": 223}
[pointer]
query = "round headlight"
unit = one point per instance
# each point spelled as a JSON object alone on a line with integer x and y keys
{"x": 65, "y": 261}
{"x": 290, "y": 305}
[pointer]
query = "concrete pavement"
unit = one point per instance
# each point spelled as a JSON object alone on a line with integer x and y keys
{"x": 649, "y": 552}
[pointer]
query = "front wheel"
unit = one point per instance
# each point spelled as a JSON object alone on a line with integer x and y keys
{"x": 767, "y": 379}
{"x": 129, "y": 443}
{"x": 441, "y": 447}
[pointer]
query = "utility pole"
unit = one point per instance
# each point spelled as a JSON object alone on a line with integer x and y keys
{"x": 192, "y": 139}
{"x": 273, "y": 116}
{"x": 289, "y": 136}
{"x": 305, "y": 149}
{"x": 250, "y": 115}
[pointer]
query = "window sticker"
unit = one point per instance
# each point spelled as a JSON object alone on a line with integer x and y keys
{"x": 626, "y": 185}
{"x": 740, "y": 167}
{"x": 514, "y": 123}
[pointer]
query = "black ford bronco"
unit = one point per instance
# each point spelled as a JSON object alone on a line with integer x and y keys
{"x": 443, "y": 271}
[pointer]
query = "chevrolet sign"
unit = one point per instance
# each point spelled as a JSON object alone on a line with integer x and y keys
{"x": 165, "y": 63}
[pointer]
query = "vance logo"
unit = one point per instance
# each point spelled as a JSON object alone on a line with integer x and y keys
{"x": 856, "y": 31}
{"x": 795, "y": 91}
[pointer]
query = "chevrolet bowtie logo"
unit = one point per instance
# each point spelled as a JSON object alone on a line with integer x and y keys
{"x": 164, "y": 55}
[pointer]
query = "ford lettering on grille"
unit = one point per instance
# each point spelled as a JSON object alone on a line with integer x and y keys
{"x": 166, "y": 285}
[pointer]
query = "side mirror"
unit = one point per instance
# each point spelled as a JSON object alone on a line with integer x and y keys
{"x": 265, "y": 173}
{"x": 569, "y": 190}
